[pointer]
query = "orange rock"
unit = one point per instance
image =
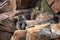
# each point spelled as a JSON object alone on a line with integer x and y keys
{"x": 19, "y": 35}
{"x": 33, "y": 32}
{"x": 56, "y": 5}
{"x": 56, "y": 27}
{"x": 36, "y": 27}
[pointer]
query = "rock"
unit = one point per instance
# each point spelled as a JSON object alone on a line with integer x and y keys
{"x": 57, "y": 38}
{"x": 59, "y": 17}
{"x": 19, "y": 35}
{"x": 56, "y": 4}
{"x": 49, "y": 1}
{"x": 7, "y": 25}
{"x": 4, "y": 6}
{"x": 44, "y": 33}
{"x": 5, "y": 35}
{"x": 32, "y": 32}
{"x": 25, "y": 4}
{"x": 36, "y": 36}
{"x": 56, "y": 28}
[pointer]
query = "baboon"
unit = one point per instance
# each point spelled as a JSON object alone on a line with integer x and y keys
{"x": 21, "y": 24}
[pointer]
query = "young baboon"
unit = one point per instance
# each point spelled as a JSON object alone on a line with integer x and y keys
{"x": 21, "y": 24}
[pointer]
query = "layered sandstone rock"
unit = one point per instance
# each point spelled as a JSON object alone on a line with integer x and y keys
{"x": 56, "y": 4}
{"x": 44, "y": 33}
{"x": 26, "y": 3}
{"x": 7, "y": 26}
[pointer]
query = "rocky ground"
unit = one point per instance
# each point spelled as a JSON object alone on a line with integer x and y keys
{"x": 8, "y": 23}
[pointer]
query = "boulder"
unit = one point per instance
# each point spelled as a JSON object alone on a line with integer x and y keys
{"x": 44, "y": 32}
{"x": 26, "y": 3}
{"x": 19, "y": 35}
{"x": 5, "y": 35}
{"x": 55, "y": 6}
{"x": 32, "y": 32}
{"x": 7, "y": 25}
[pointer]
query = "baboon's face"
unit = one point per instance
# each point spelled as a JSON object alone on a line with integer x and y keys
{"x": 19, "y": 35}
